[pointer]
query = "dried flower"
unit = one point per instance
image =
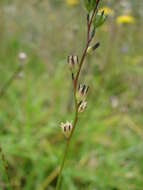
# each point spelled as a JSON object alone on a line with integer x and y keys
{"x": 66, "y": 128}
{"x": 82, "y": 106}
{"x": 73, "y": 61}
{"x": 82, "y": 92}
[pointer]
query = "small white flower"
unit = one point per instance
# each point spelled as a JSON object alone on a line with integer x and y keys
{"x": 66, "y": 128}
{"x": 22, "y": 56}
{"x": 82, "y": 107}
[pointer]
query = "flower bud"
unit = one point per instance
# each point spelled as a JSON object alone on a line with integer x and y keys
{"x": 66, "y": 128}
{"x": 91, "y": 49}
{"x": 99, "y": 19}
{"x": 82, "y": 106}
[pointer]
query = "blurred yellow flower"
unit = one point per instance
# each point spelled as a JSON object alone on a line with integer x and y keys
{"x": 72, "y": 2}
{"x": 137, "y": 59}
{"x": 107, "y": 11}
{"x": 125, "y": 19}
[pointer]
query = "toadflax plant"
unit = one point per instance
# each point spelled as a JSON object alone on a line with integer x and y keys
{"x": 95, "y": 19}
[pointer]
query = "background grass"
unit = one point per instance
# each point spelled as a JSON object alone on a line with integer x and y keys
{"x": 106, "y": 150}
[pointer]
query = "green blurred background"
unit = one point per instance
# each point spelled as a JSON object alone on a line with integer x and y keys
{"x": 106, "y": 152}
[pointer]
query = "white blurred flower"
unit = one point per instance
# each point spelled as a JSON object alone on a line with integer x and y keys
{"x": 114, "y": 101}
{"x": 22, "y": 56}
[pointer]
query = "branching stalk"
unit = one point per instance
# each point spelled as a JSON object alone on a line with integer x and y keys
{"x": 75, "y": 83}
{"x": 9, "y": 82}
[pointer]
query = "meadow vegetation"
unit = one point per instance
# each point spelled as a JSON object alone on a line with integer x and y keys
{"x": 106, "y": 151}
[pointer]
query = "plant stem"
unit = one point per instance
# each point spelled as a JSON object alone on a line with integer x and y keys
{"x": 9, "y": 82}
{"x": 2, "y": 93}
{"x": 62, "y": 165}
{"x": 5, "y": 166}
{"x": 75, "y": 82}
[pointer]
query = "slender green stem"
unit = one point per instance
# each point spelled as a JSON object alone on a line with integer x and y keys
{"x": 74, "y": 125}
{"x": 62, "y": 165}
{"x": 9, "y": 82}
{"x": 3, "y": 90}
{"x": 75, "y": 82}
{"x": 2, "y": 93}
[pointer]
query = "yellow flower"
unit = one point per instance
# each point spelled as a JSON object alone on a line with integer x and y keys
{"x": 107, "y": 11}
{"x": 125, "y": 19}
{"x": 72, "y": 2}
